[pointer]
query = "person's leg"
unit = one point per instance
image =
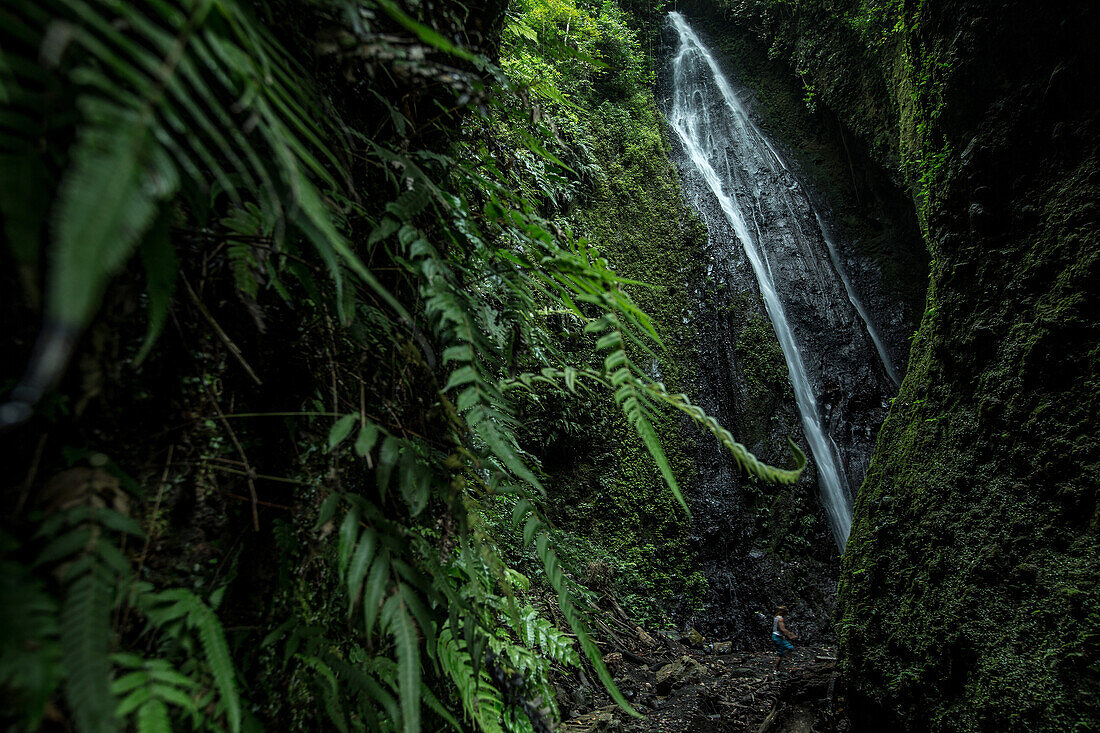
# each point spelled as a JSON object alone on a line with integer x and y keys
{"x": 784, "y": 647}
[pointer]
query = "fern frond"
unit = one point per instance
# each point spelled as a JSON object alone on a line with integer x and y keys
{"x": 357, "y": 570}
{"x": 106, "y": 203}
{"x": 377, "y": 581}
{"x": 399, "y": 624}
{"x": 29, "y": 651}
{"x": 151, "y": 681}
{"x": 480, "y": 700}
{"x": 541, "y": 634}
{"x": 576, "y": 621}
{"x": 153, "y": 717}
{"x": 745, "y": 459}
{"x": 85, "y": 627}
{"x": 216, "y": 650}
{"x": 330, "y": 690}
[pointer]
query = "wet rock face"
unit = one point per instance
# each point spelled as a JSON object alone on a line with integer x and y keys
{"x": 758, "y": 550}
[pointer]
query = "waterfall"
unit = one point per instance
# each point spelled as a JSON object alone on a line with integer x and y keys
{"x": 887, "y": 362}
{"x": 784, "y": 239}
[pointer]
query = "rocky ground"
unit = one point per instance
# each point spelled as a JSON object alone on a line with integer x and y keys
{"x": 691, "y": 685}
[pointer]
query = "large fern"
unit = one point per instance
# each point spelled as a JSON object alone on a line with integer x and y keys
{"x": 164, "y": 93}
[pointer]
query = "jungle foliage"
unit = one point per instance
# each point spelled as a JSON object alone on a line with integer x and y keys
{"x": 358, "y": 193}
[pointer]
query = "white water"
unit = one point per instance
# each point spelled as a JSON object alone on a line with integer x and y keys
{"x": 711, "y": 128}
{"x": 882, "y": 354}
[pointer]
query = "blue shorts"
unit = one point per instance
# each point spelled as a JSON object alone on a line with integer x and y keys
{"x": 782, "y": 644}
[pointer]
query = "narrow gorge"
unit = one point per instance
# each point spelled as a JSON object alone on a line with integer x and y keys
{"x": 503, "y": 366}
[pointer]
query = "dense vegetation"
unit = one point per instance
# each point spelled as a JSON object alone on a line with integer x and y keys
{"x": 314, "y": 292}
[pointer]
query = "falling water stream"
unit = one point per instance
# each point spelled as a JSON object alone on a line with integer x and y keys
{"x": 763, "y": 204}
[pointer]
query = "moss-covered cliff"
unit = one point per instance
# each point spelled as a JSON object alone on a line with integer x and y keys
{"x": 969, "y": 596}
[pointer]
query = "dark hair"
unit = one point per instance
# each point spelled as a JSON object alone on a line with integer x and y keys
{"x": 781, "y": 611}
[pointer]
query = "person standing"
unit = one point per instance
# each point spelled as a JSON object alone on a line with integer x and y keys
{"x": 781, "y": 636}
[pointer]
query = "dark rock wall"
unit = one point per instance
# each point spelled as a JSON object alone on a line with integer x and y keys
{"x": 969, "y": 598}
{"x": 969, "y": 595}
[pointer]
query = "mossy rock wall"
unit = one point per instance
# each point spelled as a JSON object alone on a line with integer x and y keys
{"x": 608, "y": 493}
{"x": 969, "y": 596}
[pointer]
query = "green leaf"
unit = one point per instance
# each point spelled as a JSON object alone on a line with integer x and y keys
{"x": 340, "y": 430}
{"x": 153, "y": 717}
{"x": 30, "y": 655}
{"x": 377, "y": 580}
{"x": 217, "y": 655}
{"x": 403, "y": 630}
{"x": 532, "y": 526}
{"x": 463, "y": 375}
{"x": 106, "y": 203}
{"x": 133, "y": 701}
{"x": 428, "y": 35}
{"x": 349, "y": 533}
{"x": 327, "y": 510}
{"x": 520, "y": 511}
{"x": 66, "y": 545}
{"x": 387, "y": 460}
{"x": 357, "y": 570}
{"x": 85, "y": 641}
{"x": 415, "y": 486}
{"x": 480, "y": 699}
{"x": 368, "y": 436}
{"x": 161, "y": 267}
{"x": 118, "y": 522}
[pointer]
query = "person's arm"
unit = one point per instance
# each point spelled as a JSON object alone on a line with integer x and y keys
{"x": 783, "y": 629}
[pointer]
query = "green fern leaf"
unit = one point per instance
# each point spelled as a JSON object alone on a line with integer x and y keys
{"x": 85, "y": 641}
{"x": 327, "y": 510}
{"x": 29, "y": 650}
{"x": 153, "y": 717}
{"x": 118, "y": 522}
{"x": 576, "y": 622}
{"x": 217, "y": 655}
{"x": 368, "y": 436}
{"x": 357, "y": 570}
{"x": 375, "y": 588}
{"x": 330, "y": 690}
{"x": 366, "y": 683}
{"x": 66, "y": 545}
{"x": 480, "y": 699}
{"x": 633, "y": 407}
{"x": 340, "y": 430}
{"x": 345, "y": 544}
{"x": 135, "y": 699}
{"x": 415, "y": 485}
{"x": 159, "y": 258}
{"x": 106, "y": 203}
{"x": 403, "y": 631}
{"x": 415, "y": 606}
{"x": 438, "y": 708}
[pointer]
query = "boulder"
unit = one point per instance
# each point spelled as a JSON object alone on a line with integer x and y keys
{"x": 683, "y": 671}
